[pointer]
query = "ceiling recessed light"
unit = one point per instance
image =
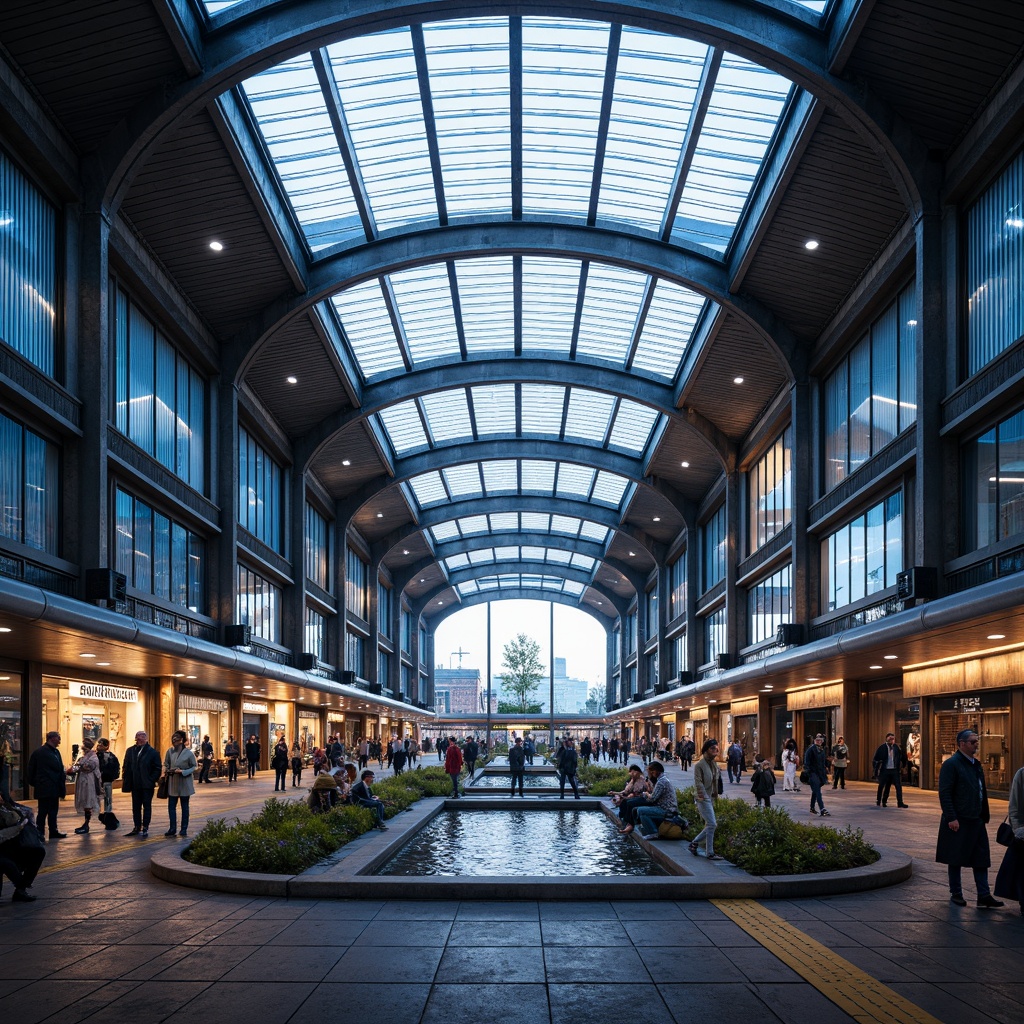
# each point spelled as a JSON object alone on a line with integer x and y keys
{"x": 889, "y": 657}
{"x": 657, "y": 519}
{"x": 292, "y": 380}
{"x": 380, "y": 515}
{"x": 685, "y": 465}
{"x": 191, "y": 677}
{"x": 103, "y": 663}
{"x": 737, "y": 380}
{"x": 811, "y": 244}
{"x": 712, "y": 700}
{"x": 440, "y": 602}
{"x": 217, "y": 246}
{"x": 5, "y": 629}
{"x": 346, "y": 462}
{"x": 996, "y": 636}
{"x": 873, "y": 667}
{"x": 247, "y": 687}
{"x": 632, "y": 554}
{"x": 405, "y": 551}
{"x": 813, "y": 679}
{"x": 87, "y": 655}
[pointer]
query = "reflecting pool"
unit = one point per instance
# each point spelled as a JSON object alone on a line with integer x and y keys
{"x": 520, "y": 843}
{"x": 505, "y": 782}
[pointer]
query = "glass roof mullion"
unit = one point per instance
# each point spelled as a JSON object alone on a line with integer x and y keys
{"x": 517, "y": 290}
{"x": 518, "y": 428}
{"x": 421, "y": 412}
{"x": 700, "y": 108}
{"x": 641, "y": 319}
{"x": 581, "y": 294}
{"x": 565, "y": 413}
{"x": 604, "y": 119}
{"x": 611, "y": 423}
{"x": 336, "y": 113}
{"x": 397, "y": 326}
{"x": 419, "y": 50}
{"x": 472, "y": 414}
{"x": 515, "y": 100}
{"x": 460, "y": 330}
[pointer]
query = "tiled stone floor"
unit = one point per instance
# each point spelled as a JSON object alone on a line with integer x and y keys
{"x": 105, "y": 937}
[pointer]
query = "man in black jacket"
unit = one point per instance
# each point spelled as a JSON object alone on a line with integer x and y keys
{"x": 253, "y": 752}
{"x": 888, "y": 763}
{"x": 470, "y": 752}
{"x": 141, "y": 774}
{"x": 517, "y": 765}
{"x": 568, "y": 762}
{"x": 47, "y": 775}
{"x": 963, "y": 839}
{"x": 363, "y": 796}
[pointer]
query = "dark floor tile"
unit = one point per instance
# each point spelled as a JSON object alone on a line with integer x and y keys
{"x": 583, "y": 964}
{"x": 34, "y": 961}
{"x": 361, "y": 1001}
{"x": 206, "y": 963}
{"x": 286, "y": 963}
{"x": 600, "y": 911}
{"x": 667, "y": 965}
{"x": 276, "y": 1001}
{"x": 584, "y": 933}
{"x": 42, "y": 999}
{"x": 488, "y": 963}
{"x": 418, "y": 910}
{"x": 391, "y": 933}
{"x": 800, "y": 1003}
{"x": 494, "y": 933}
{"x": 1002, "y": 1002}
{"x": 112, "y": 962}
{"x": 707, "y": 1002}
{"x": 509, "y": 1004}
{"x": 401, "y": 965}
{"x": 606, "y": 1002}
{"x": 758, "y": 964}
{"x": 497, "y": 911}
{"x": 952, "y": 1002}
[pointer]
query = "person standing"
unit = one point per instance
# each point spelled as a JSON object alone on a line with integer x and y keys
{"x": 517, "y": 765}
{"x": 1010, "y": 880}
{"x": 840, "y": 760}
{"x": 816, "y": 764}
{"x": 231, "y": 755}
{"x": 568, "y": 763}
{"x": 296, "y": 765}
{"x": 613, "y": 750}
{"x": 279, "y": 762}
{"x": 707, "y": 777}
{"x": 963, "y": 838}
{"x": 530, "y": 748}
{"x": 88, "y": 787}
{"x": 110, "y": 772}
{"x": 179, "y": 767}
{"x": 888, "y": 763}
{"x": 47, "y": 775}
{"x": 686, "y": 757}
{"x": 364, "y": 752}
{"x": 253, "y": 753}
{"x": 471, "y": 752}
{"x": 141, "y": 774}
{"x": 206, "y": 758}
{"x": 453, "y": 764}
{"x": 762, "y": 783}
{"x": 734, "y": 762}
{"x": 790, "y": 763}
{"x": 586, "y": 749}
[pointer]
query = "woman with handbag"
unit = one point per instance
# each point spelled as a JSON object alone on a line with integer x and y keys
{"x": 790, "y": 763}
{"x": 88, "y": 787}
{"x": 1010, "y": 880}
{"x": 179, "y": 767}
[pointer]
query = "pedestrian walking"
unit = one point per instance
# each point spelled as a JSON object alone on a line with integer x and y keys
{"x": 179, "y": 767}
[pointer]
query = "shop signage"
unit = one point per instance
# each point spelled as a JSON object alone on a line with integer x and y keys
{"x": 968, "y": 704}
{"x": 254, "y": 706}
{"x": 101, "y": 691}
{"x": 309, "y": 714}
{"x": 189, "y": 703}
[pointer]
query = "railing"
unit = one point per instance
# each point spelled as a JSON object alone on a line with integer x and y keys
{"x": 861, "y": 617}
{"x": 764, "y": 650}
{"x": 180, "y": 623}
{"x": 990, "y": 569}
{"x": 271, "y": 653}
{"x": 27, "y": 571}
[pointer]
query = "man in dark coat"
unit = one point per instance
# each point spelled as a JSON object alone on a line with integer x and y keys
{"x": 963, "y": 839}
{"x": 141, "y": 772}
{"x": 47, "y": 775}
{"x": 568, "y": 763}
{"x": 517, "y": 764}
{"x": 470, "y": 752}
{"x": 816, "y": 763}
{"x": 888, "y": 763}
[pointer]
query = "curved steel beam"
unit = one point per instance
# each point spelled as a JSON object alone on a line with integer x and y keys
{"x": 254, "y": 39}
{"x": 483, "y": 541}
{"x": 522, "y": 594}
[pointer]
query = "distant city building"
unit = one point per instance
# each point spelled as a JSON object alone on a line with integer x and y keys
{"x": 461, "y": 691}
{"x": 570, "y": 693}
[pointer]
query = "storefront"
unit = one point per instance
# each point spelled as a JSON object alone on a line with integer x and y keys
{"x": 256, "y": 722}
{"x": 12, "y": 741}
{"x": 79, "y": 709}
{"x": 201, "y": 716}
{"x": 309, "y": 731}
{"x": 988, "y": 714}
{"x": 744, "y": 728}
{"x": 813, "y": 710}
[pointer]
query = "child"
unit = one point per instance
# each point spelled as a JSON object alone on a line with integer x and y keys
{"x": 763, "y": 784}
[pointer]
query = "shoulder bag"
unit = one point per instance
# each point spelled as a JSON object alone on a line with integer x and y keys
{"x": 161, "y": 788}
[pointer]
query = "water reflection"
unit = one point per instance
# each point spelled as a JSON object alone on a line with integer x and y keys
{"x": 504, "y": 782}
{"x": 519, "y": 843}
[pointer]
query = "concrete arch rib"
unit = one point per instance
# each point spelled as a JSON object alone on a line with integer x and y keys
{"x": 253, "y": 39}
{"x": 646, "y": 255}
{"x": 522, "y": 594}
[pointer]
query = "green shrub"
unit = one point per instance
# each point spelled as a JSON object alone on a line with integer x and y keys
{"x": 769, "y": 842}
{"x": 602, "y": 781}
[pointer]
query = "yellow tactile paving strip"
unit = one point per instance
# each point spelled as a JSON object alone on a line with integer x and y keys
{"x": 855, "y": 992}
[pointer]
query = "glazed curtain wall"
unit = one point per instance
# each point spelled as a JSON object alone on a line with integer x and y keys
{"x": 356, "y": 580}
{"x": 159, "y": 398}
{"x": 29, "y": 488}
{"x": 28, "y": 269}
{"x": 995, "y": 267}
{"x": 993, "y": 475}
{"x": 260, "y": 492}
{"x": 871, "y": 397}
{"x": 714, "y": 535}
{"x": 769, "y": 604}
{"x": 317, "y": 549}
{"x": 677, "y": 581}
{"x": 259, "y": 605}
{"x": 770, "y": 492}
{"x": 159, "y": 556}
{"x": 316, "y": 635}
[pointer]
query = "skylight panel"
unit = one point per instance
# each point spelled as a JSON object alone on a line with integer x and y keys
{"x": 488, "y": 583}
{"x": 504, "y": 522}
{"x": 563, "y": 78}
{"x": 467, "y": 588}
{"x": 424, "y": 301}
{"x": 447, "y": 415}
{"x": 609, "y": 312}
{"x": 542, "y": 409}
{"x": 593, "y": 531}
{"x": 535, "y": 522}
{"x": 550, "y": 287}
{"x": 552, "y": 583}
{"x": 501, "y": 476}
{"x": 444, "y": 531}
{"x": 473, "y": 525}
{"x": 742, "y": 117}
{"x": 656, "y": 83}
{"x": 533, "y": 554}
{"x": 464, "y": 481}
{"x": 216, "y": 6}
{"x": 584, "y": 562}
{"x": 376, "y": 77}
{"x": 589, "y": 414}
{"x": 483, "y": 557}
{"x": 558, "y": 556}
{"x": 494, "y": 409}
{"x": 531, "y": 579}
{"x": 572, "y": 587}
{"x": 506, "y": 554}
{"x": 428, "y": 489}
{"x": 403, "y": 427}
{"x": 667, "y": 330}
{"x": 369, "y": 330}
{"x": 565, "y": 524}
{"x": 538, "y": 476}
{"x": 460, "y": 561}
{"x": 574, "y": 481}
{"x": 288, "y": 106}
{"x": 633, "y": 426}
{"x": 468, "y": 65}
{"x": 486, "y": 302}
{"x": 610, "y": 487}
